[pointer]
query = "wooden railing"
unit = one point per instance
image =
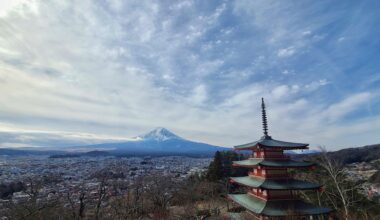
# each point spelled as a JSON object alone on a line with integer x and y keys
{"x": 266, "y": 175}
{"x": 267, "y": 196}
{"x": 272, "y": 157}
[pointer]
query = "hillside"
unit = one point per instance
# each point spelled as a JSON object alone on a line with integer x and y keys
{"x": 24, "y": 152}
{"x": 355, "y": 155}
{"x": 375, "y": 178}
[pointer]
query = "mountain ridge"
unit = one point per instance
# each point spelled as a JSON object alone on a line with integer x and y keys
{"x": 160, "y": 134}
{"x": 159, "y": 140}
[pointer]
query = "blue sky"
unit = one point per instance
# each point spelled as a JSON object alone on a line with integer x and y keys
{"x": 79, "y": 72}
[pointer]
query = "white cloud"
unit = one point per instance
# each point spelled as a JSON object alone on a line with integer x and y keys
{"x": 316, "y": 84}
{"x": 199, "y": 95}
{"x": 9, "y": 6}
{"x": 286, "y": 52}
{"x": 280, "y": 91}
{"x": 342, "y": 108}
{"x": 111, "y": 70}
{"x": 306, "y": 33}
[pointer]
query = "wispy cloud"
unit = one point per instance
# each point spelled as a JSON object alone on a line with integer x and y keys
{"x": 84, "y": 72}
{"x": 286, "y": 52}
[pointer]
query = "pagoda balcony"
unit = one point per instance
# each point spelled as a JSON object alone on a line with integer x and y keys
{"x": 277, "y": 157}
{"x": 266, "y": 175}
{"x": 259, "y": 195}
{"x": 278, "y": 163}
{"x": 265, "y": 195}
{"x": 275, "y": 184}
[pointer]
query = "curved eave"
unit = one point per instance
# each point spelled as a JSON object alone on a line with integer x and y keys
{"x": 272, "y": 163}
{"x": 248, "y": 146}
{"x": 278, "y": 207}
{"x": 289, "y": 184}
{"x": 303, "y": 147}
{"x": 268, "y": 142}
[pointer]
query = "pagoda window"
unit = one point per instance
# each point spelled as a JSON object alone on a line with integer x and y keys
{"x": 256, "y": 154}
{"x": 259, "y": 193}
{"x": 259, "y": 154}
{"x": 265, "y": 193}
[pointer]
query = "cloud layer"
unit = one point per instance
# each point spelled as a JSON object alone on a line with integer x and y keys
{"x": 75, "y": 72}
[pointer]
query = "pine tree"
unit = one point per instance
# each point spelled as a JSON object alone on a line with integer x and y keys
{"x": 215, "y": 170}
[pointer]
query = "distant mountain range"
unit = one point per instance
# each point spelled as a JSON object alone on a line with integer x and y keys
{"x": 162, "y": 142}
{"x": 345, "y": 156}
{"x": 159, "y": 141}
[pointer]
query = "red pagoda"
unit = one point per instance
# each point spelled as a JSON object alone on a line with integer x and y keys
{"x": 272, "y": 192}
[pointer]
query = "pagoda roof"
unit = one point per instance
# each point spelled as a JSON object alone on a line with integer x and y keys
{"x": 279, "y": 184}
{"x": 268, "y": 142}
{"x": 277, "y": 207}
{"x": 271, "y": 163}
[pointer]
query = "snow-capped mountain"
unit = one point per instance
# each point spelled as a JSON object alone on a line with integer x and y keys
{"x": 159, "y": 140}
{"x": 159, "y": 134}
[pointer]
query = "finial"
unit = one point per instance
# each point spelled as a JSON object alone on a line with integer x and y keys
{"x": 264, "y": 118}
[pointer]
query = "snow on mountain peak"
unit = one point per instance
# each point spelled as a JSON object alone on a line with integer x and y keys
{"x": 159, "y": 134}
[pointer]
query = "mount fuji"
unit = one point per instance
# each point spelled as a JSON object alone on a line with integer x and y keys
{"x": 157, "y": 141}
{"x": 159, "y": 134}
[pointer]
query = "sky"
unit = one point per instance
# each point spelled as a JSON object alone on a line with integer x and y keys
{"x": 83, "y": 72}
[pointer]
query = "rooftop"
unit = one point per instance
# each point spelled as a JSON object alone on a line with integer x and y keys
{"x": 271, "y": 163}
{"x": 268, "y": 142}
{"x": 277, "y": 207}
{"x": 277, "y": 184}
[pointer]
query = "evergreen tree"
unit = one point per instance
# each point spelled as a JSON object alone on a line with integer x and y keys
{"x": 221, "y": 166}
{"x": 215, "y": 170}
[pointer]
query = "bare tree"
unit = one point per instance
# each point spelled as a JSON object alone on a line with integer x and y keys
{"x": 126, "y": 201}
{"x": 34, "y": 205}
{"x": 77, "y": 202}
{"x": 101, "y": 195}
{"x": 341, "y": 194}
{"x": 160, "y": 191}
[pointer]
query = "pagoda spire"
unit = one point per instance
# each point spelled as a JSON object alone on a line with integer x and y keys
{"x": 264, "y": 118}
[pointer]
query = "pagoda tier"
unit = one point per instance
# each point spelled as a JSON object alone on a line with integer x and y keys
{"x": 272, "y": 191}
{"x": 275, "y": 184}
{"x": 269, "y": 143}
{"x": 254, "y": 162}
{"x": 277, "y": 208}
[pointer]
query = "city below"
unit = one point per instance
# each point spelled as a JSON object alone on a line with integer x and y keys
{"x": 68, "y": 175}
